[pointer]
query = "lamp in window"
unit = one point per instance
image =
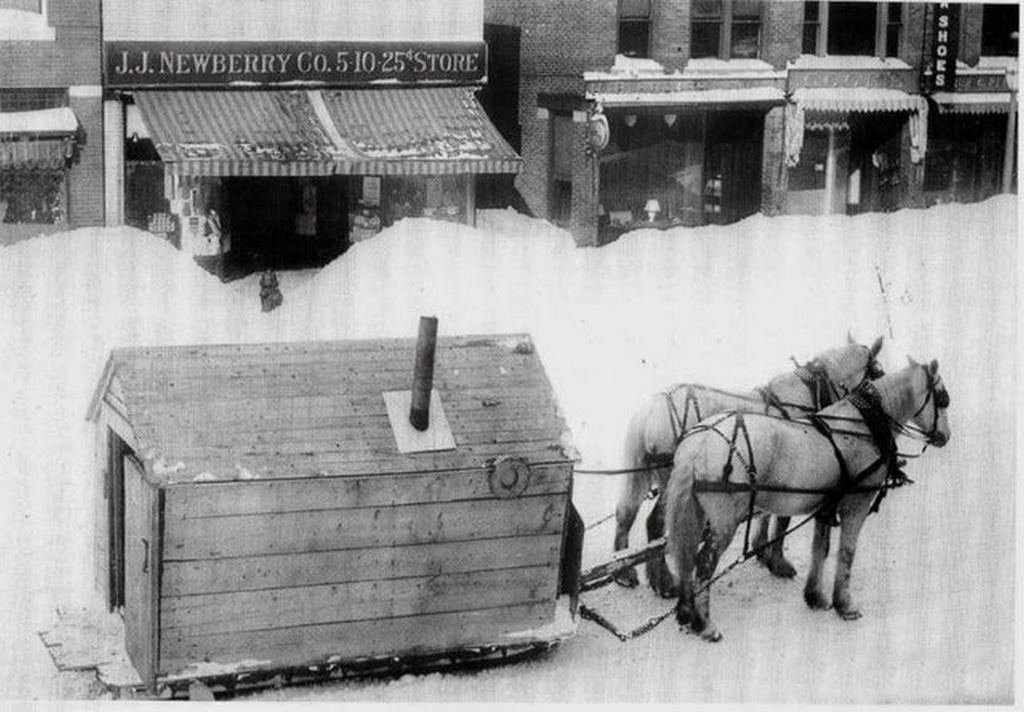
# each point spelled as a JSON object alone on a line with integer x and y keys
{"x": 630, "y": 120}
{"x": 652, "y": 208}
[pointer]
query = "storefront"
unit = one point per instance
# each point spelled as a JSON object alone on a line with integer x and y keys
{"x": 682, "y": 151}
{"x": 856, "y": 134}
{"x": 971, "y": 138}
{"x": 261, "y": 153}
{"x": 36, "y": 150}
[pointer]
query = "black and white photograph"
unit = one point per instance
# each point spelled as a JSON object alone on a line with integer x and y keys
{"x": 510, "y": 351}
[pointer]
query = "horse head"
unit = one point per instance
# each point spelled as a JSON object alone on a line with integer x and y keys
{"x": 930, "y": 399}
{"x": 847, "y": 366}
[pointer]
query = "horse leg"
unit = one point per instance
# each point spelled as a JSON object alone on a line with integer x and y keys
{"x": 848, "y": 534}
{"x": 715, "y": 541}
{"x": 775, "y": 557}
{"x": 759, "y": 537}
{"x": 819, "y": 552}
{"x": 658, "y": 575}
{"x": 632, "y": 494}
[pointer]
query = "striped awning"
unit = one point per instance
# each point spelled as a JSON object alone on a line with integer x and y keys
{"x": 418, "y": 131}
{"x": 30, "y": 153}
{"x": 972, "y": 103}
{"x": 37, "y": 140}
{"x": 393, "y": 131}
{"x": 856, "y": 99}
{"x": 238, "y": 133}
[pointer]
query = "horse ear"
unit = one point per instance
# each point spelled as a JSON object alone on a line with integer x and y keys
{"x": 934, "y": 366}
{"x": 911, "y": 361}
{"x": 877, "y": 346}
{"x": 849, "y": 337}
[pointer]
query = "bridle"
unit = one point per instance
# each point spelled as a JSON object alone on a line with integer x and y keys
{"x": 815, "y": 374}
{"x": 938, "y": 397}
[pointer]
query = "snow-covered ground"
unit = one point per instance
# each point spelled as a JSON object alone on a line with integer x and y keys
{"x": 935, "y": 573}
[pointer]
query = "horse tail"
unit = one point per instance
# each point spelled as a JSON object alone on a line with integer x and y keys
{"x": 635, "y": 485}
{"x": 685, "y": 520}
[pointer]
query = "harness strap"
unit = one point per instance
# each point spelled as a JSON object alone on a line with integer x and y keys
{"x": 771, "y": 400}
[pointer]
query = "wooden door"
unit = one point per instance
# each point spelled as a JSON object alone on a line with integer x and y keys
{"x": 141, "y": 547}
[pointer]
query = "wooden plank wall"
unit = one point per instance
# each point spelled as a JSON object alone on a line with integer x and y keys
{"x": 295, "y": 571}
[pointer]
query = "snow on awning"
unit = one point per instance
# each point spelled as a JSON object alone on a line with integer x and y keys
{"x": 713, "y": 98}
{"x": 42, "y": 139}
{"x": 827, "y": 107}
{"x": 416, "y": 131}
{"x": 390, "y": 131}
{"x": 974, "y": 103}
{"x": 43, "y": 122}
{"x": 238, "y": 133}
{"x": 857, "y": 99}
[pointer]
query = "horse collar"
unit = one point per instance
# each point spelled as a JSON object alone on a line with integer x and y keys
{"x": 868, "y": 402}
{"x": 815, "y": 376}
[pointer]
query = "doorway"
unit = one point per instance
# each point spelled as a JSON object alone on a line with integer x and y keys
{"x": 732, "y": 166}
{"x": 875, "y": 158}
{"x": 117, "y": 450}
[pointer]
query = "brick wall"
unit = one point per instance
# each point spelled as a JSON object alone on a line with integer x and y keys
{"x": 970, "y": 33}
{"x": 774, "y": 174}
{"x": 781, "y": 32}
{"x": 72, "y": 58}
{"x": 560, "y": 40}
{"x": 85, "y": 178}
{"x": 670, "y": 36}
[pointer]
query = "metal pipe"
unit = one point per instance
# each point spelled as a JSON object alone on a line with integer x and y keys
{"x": 423, "y": 373}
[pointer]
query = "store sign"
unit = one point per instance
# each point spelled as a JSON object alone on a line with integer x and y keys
{"x": 209, "y": 64}
{"x": 940, "y": 66}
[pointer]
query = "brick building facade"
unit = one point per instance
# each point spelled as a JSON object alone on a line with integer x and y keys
{"x": 661, "y": 113}
{"x": 51, "y": 127}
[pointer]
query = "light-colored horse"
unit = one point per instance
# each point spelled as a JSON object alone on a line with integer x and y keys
{"x": 735, "y": 463}
{"x": 655, "y": 431}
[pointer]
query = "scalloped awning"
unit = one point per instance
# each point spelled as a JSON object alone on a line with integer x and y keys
{"x": 42, "y": 139}
{"x": 818, "y": 108}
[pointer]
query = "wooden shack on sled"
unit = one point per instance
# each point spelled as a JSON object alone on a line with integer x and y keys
{"x": 269, "y": 507}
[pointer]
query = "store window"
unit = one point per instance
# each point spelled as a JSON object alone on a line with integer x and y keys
{"x": 31, "y": 196}
{"x": 24, "y": 20}
{"x": 726, "y": 29}
{"x": 1000, "y": 30}
{"x": 635, "y": 28}
{"x": 869, "y": 29}
{"x": 809, "y": 173}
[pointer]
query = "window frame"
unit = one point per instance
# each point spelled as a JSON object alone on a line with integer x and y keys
{"x": 882, "y": 25}
{"x": 984, "y": 42}
{"x": 634, "y": 21}
{"x": 726, "y": 20}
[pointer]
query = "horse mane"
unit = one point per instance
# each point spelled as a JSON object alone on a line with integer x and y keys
{"x": 897, "y": 393}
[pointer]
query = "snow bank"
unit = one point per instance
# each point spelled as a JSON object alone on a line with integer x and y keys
{"x": 727, "y": 305}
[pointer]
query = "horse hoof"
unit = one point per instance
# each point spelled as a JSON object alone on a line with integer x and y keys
{"x": 848, "y": 614}
{"x": 684, "y": 617}
{"x": 781, "y": 568}
{"x": 711, "y": 635}
{"x": 815, "y": 600}
{"x": 627, "y": 578}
